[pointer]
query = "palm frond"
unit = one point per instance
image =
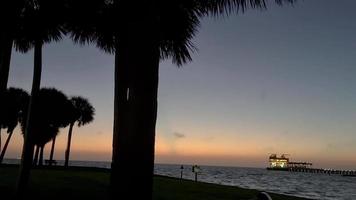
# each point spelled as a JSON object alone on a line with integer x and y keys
{"x": 225, "y": 7}
{"x": 40, "y": 21}
{"x": 89, "y": 22}
{"x": 180, "y": 20}
{"x": 99, "y": 21}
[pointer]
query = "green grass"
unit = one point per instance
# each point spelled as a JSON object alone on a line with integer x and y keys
{"x": 92, "y": 183}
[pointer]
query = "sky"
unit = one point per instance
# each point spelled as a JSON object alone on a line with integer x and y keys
{"x": 281, "y": 80}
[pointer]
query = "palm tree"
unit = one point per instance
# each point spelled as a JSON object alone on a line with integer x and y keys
{"x": 11, "y": 11}
{"x": 36, "y": 30}
{"x": 168, "y": 27}
{"x": 83, "y": 113}
{"x": 143, "y": 34}
{"x": 2, "y": 124}
{"x": 49, "y": 118}
{"x": 14, "y": 102}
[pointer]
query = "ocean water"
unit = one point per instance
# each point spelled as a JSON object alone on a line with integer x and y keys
{"x": 309, "y": 185}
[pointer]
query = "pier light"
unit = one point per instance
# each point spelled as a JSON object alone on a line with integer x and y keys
{"x": 278, "y": 162}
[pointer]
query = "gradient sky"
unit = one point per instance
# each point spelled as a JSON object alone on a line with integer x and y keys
{"x": 275, "y": 81}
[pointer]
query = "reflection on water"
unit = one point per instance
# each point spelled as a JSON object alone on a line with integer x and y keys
{"x": 315, "y": 186}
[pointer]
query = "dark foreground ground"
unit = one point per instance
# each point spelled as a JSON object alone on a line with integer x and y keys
{"x": 92, "y": 183}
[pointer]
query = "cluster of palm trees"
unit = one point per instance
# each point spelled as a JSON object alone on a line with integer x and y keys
{"x": 55, "y": 111}
{"x": 139, "y": 34}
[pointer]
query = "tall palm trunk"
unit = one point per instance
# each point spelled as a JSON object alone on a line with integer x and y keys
{"x": 52, "y": 151}
{"x": 120, "y": 119}
{"x": 134, "y": 128}
{"x": 5, "y": 59}
{"x": 35, "y": 159}
{"x": 66, "y": 160}
{"x": 1, "y": 45}
{"x": 5, "y": 146}
{"x": 40, "y": 161}
{"x": 28, "y": 146}
{"x": 0, "y": 140}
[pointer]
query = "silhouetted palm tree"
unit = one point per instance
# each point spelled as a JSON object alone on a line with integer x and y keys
{"x": 13, "y": 103}
{"x": 2, "y": 123}
{"x": 36, "y": 29}
{"x": 52, "y": 113}
{"x": 11, "y": 11}
{"x": 142, "y": 34}
{"x": 83, "y": 114}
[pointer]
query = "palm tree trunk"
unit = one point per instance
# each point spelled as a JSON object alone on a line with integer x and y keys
{"x": 66, "y": 160}
{"x": 52, "y": 151}
{"x": 0, "y": 140}
{"x": 143, "y": 123}
{"x": 5, "y": 59}
{"x": 1, "y": 45}
{"x": 28, "y": 146}
{"x": 35, "y": 160}
{"x": 134, "y": 127}
{"x": 40, "y": 161}
{"x": 5, "y": 146}
{"x": 120, "y": 116}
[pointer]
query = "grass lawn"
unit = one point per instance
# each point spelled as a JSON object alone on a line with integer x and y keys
{"x": 92, "y": 183}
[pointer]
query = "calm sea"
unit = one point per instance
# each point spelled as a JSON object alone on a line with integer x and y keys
{"x": 314, "y": 186}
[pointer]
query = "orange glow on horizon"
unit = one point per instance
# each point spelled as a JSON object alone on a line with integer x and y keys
{"x": 228, "y": 150}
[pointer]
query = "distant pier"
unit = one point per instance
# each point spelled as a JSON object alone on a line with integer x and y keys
{"x": 282, "y": 164}
{"x": 323, "y": 171}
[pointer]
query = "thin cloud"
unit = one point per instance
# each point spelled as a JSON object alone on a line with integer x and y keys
{"x": 178, "y": 135}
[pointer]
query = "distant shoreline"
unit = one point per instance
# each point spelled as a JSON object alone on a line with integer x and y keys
{"x": 108, "y": 162}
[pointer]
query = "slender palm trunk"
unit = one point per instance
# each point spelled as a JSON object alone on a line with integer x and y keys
{"x": 28, "y": 146}
{"x": 1, "y": 45}
{"x": 52, "y": 151}
{"x": 66, "y": 160}
{"x": 5, "y": 146}
{"x": 5, "y": 59}
{"x": 0, "y": 140}
{"x": 35, "y": 159}
{"x": 40, "y": 161}
{"x": 134, "y": 129}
